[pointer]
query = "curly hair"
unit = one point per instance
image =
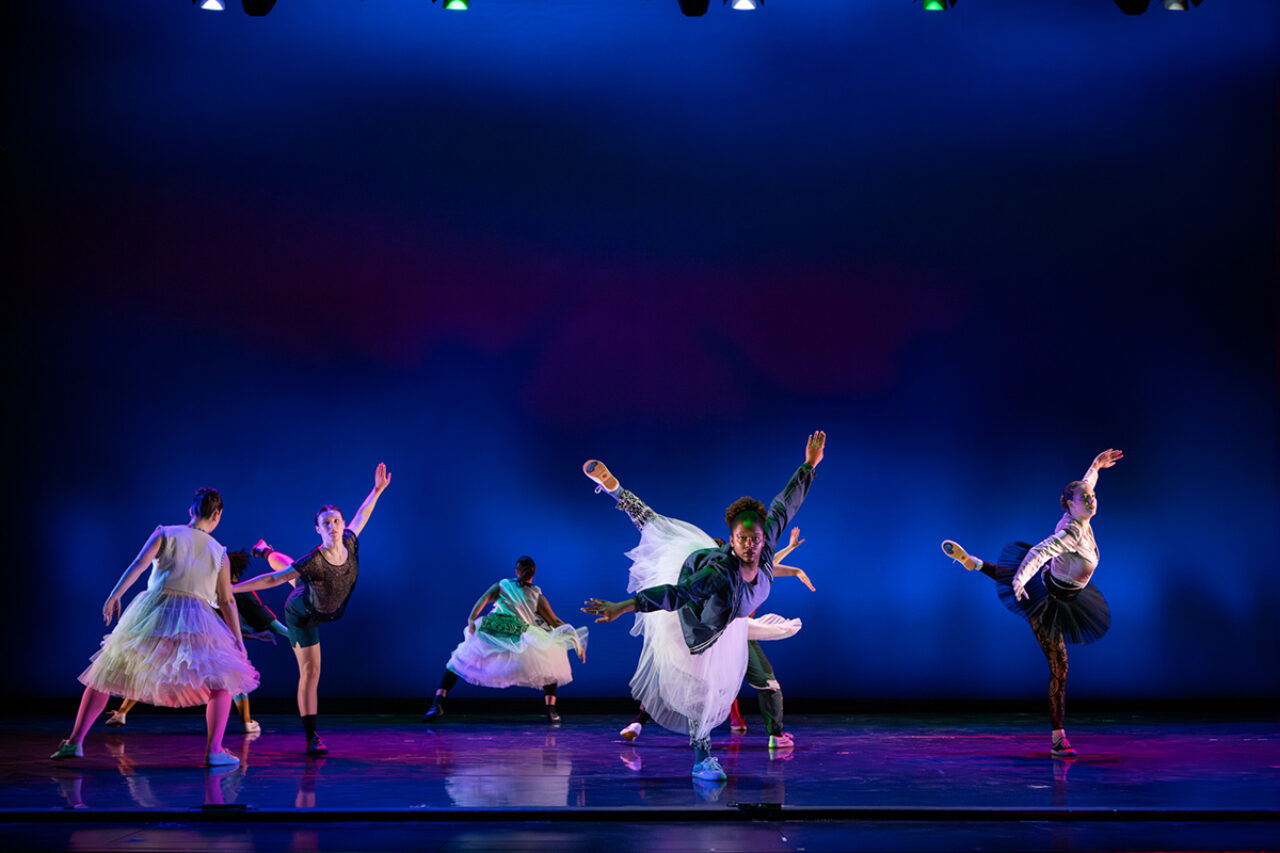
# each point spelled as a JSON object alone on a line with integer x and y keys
{"x": 747, "y": 511}
{"x": 239, "y": 562}
{"x": 1069, "y": 493}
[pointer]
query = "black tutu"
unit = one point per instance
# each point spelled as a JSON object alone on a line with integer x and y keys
{"x": 1080, "y": 615}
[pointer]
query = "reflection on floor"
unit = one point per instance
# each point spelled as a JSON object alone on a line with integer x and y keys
{"x": 901, "y": 781}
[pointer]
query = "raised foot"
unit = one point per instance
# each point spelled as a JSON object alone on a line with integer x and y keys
{"x": 596, "y": 470}
{"x": 116, "y": 719}
{"x": 631, "y": 732}
{"x": 436, "y": 710}
{"x": 953, "y": 550}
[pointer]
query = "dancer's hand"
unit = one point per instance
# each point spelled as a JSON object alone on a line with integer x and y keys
{"x": 804, "y": 579}
{"x": 813, "y": 450}
{"x": 381, "y": 478}
{"x": 1107, "y": 458}
{"x": 111, "y": 608}
{"x": 796, "y": 541}
{"x": 1019, "y": 592}
{"x": 606, "y": 611}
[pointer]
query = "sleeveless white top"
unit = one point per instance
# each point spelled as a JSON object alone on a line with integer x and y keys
{"x": 188, "y": 562}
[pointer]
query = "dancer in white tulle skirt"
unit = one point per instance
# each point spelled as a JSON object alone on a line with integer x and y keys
{"x": 691, "y": 600}
{"x": 170, "y": 647}
{"x": 519, "y": 643}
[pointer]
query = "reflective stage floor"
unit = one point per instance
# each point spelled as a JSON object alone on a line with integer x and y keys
{"x": 1142, "y": 781}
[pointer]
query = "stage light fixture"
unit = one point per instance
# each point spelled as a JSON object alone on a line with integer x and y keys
{"x": 258, "y": 8}
{"x": 1175, "y": 5}
{"x": 745, "y": 5}
{"x": 210, "y": 5}
{"x": 694, "y": 8}
{"x": 455, "y": 5}
{"x": 937, "y": 5}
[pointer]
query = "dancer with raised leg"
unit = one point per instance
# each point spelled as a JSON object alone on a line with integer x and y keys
{"x": 520, "y": 643}
{"x": 1049, "y": 585}
{"x": 691, "y": 600}
{"x": 170, "y": 647}
{"x": 327, "y": 575}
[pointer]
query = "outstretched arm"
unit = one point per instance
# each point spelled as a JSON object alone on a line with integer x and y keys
{"x": 795, "y": 543}
{"x": 788, "y": 501}
{"x": 607, "y": 611}
{"x": 781, "y": 571}
{"x": 1105, "y": 459}
{"x": 283, "y": 575}
{"x": 381, "y": 479}
{"x": 150, "y": 549}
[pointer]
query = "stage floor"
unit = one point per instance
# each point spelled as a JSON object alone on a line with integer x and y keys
{"x": 505, "y": 781}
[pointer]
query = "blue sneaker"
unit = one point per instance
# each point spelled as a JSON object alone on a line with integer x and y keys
{"x": 709, "y": 769}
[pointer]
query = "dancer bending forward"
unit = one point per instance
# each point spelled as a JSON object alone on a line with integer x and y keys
{"x": 327, "y": 575}
{"x": 170, "y": 647}
{"x": 691, "y": 601}
{"x": 521, "y": 642}
{"x": 1049, "y": 586}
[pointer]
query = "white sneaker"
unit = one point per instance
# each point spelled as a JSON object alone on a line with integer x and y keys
{"x": 596, "y": 470}
{"x": 960, "y": 555}
{"x": 782, "y": 741}
{"x": 220, "y": 759}
{"x": 252, "y": 727}
{"x": 1062, "y": 748}
{"x": 631, "y": 732}
{"x": 709, "y": 769}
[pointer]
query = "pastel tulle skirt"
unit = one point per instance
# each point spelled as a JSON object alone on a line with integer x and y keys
{"x": 535, "y": 658}
{"x": 169, "y": 649}
{"x": 686, "y": 693}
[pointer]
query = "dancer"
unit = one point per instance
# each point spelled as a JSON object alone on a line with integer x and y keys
{"x": 1049, "y": 586}
{"x": 520, "y": 642}
{"x": 328, "y": 575}
{"x": 760, "y": 674}
{"x": 169, "y": 647}
{"x": 691, "y": 598}
{"x": 254, "y": 615}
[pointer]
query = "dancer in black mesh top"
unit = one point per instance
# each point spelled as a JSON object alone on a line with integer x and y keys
{"x": 327, "y": 576}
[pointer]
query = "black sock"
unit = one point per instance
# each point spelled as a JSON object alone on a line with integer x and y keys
{"x": 309, "y": 723}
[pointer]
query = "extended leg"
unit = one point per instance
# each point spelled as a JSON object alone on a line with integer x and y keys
{"x": 549, "y": 694}
{"x": 447, "y": 681}
{"x": 91, "y": 704}
{"x": 215, "y": 719}
{"x": 637, "y": 510}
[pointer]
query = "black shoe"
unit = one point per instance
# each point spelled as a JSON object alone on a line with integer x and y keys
{"x": 553, "y": 716}
{"x": 436, "y": 710}
{"x": 315, "y": 746}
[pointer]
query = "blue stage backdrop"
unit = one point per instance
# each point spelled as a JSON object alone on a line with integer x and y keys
{"x": 976, "y": 247}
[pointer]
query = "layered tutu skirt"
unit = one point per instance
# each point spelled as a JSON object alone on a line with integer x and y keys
{"x": 686, "y": 693}
{"x": 1080, "y": 615}
{"x": 169, "y": 649}
{"x": 534, "y": 657}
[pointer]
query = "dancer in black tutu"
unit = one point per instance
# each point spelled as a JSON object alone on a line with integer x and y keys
{"x": 1049, "y": 585}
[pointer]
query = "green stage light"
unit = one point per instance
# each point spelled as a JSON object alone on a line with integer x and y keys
{"x": 934, "y": 6}
{"x": 456, "y": 5}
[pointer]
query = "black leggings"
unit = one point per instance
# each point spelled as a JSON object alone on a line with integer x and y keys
{"x": 1055, "y": 652}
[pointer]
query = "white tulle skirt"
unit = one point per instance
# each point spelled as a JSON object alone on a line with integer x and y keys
{"x": 771, "y": 626}
{"x": 169, "y": 649}
{"x": 536, "y": 658}
{"x": 686, "y": 693}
